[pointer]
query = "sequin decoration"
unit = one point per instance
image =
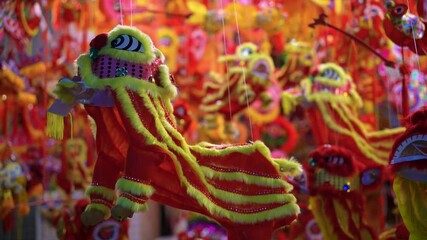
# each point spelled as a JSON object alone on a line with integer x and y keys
{"x": 312, "y": 162}
{"x": 121, "y": 72}
{"x": 104, "y": 66}
{"x": 346, "y": 187}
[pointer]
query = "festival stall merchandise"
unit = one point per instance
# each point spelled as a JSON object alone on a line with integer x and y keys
{"x": 331, "y": 100}
{"x": 13, "y": 192}
{"x": 141, "y": 87}
{"x": 249, "y": 73}
{"x": 66, "y": 220}
{"x": 259, "y": 80}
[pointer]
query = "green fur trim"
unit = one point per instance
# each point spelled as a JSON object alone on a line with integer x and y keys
{"x": 147, "y": 57}
{"x": 343, "y": 75}
{"x": 258, "y": 57}
{"x": 210, "y": 108}
{"x": 288, "y": 102}
{"x": 217, "y": 95}
{"x": 243, "y": 46}
{"x": 168, "y": 91}
{"x": 290, "y": 209}
{"x": 101, "y": 208}
{"x": 235, "y": 70}
{"x": 135, "y": 188}
{"x": 135, "y": 207}
{"x": 288, "y": 167}
{"x": 135, "y": 120}
{"x": 259, "y": 80}
{"x": 329, "y": 97}
{"x": 247, "y": 178}
{"x": 377, "y": 156}
{"x": 204, "y": 150}
{"x": 63, "y": 93}
{"x": 166, "y": 82}
{"x": 108, "y": 194}
{"x": 240, "y": 55}
{"x": 245, "y": 199}
{"x": 352, "y": 98}
{"x": 159, "y": 54}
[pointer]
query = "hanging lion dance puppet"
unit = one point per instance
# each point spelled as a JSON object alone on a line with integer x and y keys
{"x": 337, "y": 183}
{"x": 331, "y": 104}
{"x": 239, "y": 186}
{"x": 331, "y": 101}
{"x": 408, "y": 162}
{"x": 247, "y": 77}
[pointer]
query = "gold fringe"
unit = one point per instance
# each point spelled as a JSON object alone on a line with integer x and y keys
{"x": 55, "y": 126}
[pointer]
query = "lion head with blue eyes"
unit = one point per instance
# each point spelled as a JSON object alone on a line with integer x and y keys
{"x": 331, "y": 82}
{"x": 126, "y": 58}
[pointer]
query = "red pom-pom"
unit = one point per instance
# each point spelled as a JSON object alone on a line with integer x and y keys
{"x": 404, "y": 69}
{"x": 415, "y": 118}
{"x": 99, "y": 41}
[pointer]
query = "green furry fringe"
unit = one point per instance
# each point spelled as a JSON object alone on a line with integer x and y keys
{"x": 101, "y": 208}
{"x": 106, "y": 193}
{"x": 135, "y": 207}
{"x": 135, "y": 188}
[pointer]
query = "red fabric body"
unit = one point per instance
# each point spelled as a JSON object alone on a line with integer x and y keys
{"x": 152, "y": 165}
{"x": 111, "y": 145}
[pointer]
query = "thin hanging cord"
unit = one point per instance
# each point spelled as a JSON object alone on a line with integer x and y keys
{"x": 416, "y": 47}
{"x": 244, "y": 74}
{"x": 402, "y": 52}
{"x": 131, "y": 12}
{"x": 71, "y": 126}
{"x": 45, "y": 102}
{"x": 226, "y": 63}
{"x": 121, "y": 13}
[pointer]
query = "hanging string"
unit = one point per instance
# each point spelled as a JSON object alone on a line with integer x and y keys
{"x": 226, "y": 63}
{"x": 131, "y": 12}
{"x": 244, "y": 74}
{"x": 389, "y": 116}
{"x": 92, "y": 15}
{"x": 404, "y": 71}
{"x": 416, "y": 48}
{"x": 121, "y": 13}
{"x": 71, "y": 126}
{"x": 44, "y": 104}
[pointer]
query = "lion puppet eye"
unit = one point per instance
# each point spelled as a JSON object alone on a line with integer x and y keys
{"x": 128, "y": 43}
